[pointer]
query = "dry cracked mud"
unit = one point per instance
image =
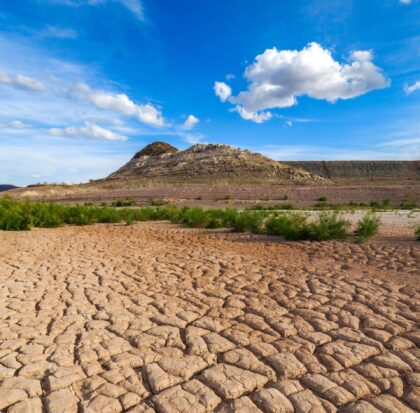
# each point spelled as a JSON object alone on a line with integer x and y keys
{"x": 157, "y": 318}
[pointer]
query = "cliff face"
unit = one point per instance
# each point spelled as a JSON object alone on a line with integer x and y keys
{"x": 209, "y": 162}
{"x": 361, "y": 169}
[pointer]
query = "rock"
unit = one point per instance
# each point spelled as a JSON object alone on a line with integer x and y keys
{"x": 11, "y": 396}
{"x": 272, "y": 401}
{"x": 230, "y": 382}
{"x": 27, "y": 406}
{"x": 61, "y": 401}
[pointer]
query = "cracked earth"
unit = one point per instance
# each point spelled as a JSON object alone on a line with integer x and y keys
{"x": 157, "y": 318}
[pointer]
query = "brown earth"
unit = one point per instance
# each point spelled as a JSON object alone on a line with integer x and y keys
{"x": 157, "y": 318}
{"x": 223, "y": 194}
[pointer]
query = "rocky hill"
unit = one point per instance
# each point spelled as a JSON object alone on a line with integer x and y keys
{"x": 6, "y": 187}
{"x": 201, "y": 162}
{"x": 376, "y": 170}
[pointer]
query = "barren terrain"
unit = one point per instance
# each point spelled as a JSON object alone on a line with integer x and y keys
{"x": 157, "y": 318}
{"x": 223, "y": 194}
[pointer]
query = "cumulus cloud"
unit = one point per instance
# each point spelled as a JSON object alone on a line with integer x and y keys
{"x": 21, "y": 82}
{"x": 119, "y": 102}
{"x": 253, "y": 116}
{"x": 410, "y": 89}
{"x": 406, "y": 1}
{"x": 222, "y": 90}
{"x": 278, "y": 77}
{"x": 90, "y": 130}
{"x": 190, "y": 122}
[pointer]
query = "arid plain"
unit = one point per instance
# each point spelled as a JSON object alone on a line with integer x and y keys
{"x": 155, "y": 317}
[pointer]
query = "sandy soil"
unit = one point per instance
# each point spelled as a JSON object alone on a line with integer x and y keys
{"x": 157, "y": 318}
{"x": 222, "y": 194}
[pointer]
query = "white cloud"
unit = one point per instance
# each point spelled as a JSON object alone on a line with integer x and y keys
{"x": 222, "y": 90}
{"x": 17, "y": 124}
{"x": 119, "y": 102}
{"x": 21, "y": 82}
{"x": 253, "y": 116}
{"x": 58, "y": 32}
{"x": 408, "y": 151}
{"x": 230, "y": 76}
{"x": 90, "y": 130}
{"x": 190, "y": 122}
{"x": 278, "y": 77}
{"x": 410, "y": 89}
{"x": 134, "y": 6}
{"x": 406, "y": 1}
{"x": 397, "y": 143}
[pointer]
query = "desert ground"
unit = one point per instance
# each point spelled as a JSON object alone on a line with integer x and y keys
{"x": 225, "y": 194}
{"x": 154, "y": 317}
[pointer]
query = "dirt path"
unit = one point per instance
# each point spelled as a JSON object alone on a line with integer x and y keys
{"x": 157, "y": 318}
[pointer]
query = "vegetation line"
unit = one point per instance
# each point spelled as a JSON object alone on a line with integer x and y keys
{"x": 23, "y": 215}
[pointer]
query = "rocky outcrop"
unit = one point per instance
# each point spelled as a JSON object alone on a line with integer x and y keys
{"x": 203, "y": 162}
{"x": 156, "y": 148}
{"x": 360, "y": 169}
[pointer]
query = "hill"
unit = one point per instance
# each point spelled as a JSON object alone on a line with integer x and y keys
{"x": 6, "y": 187}
{"x": 160, "y": 161}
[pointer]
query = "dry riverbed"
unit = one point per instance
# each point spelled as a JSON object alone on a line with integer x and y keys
{"x": 157, "y": 318}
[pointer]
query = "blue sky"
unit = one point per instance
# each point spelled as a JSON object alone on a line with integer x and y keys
{"x": 85, "y": 83}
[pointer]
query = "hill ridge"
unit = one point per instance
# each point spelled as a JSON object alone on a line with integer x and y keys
{"x": 208, "y": 162}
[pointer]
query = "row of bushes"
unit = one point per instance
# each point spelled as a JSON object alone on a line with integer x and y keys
{"x": 324, "y": 205}
{"x": 18, "y": 215}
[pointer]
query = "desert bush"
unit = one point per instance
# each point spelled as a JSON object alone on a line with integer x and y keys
{"x": 386, "y": 203}
{"x": 408, "y": 205}
{"x": 19, "y": 215}
{"x": 45, "y": 215}
{"x": 292, "y": 226}
{"x": 248, "y": 221}
{"x": 374, "y": 204}
{"x": 322, "y": 199}
{"x": 259, "y": 207}
{"x": 329, "y": 226}
{"x": 367, "y": 227}
{"x": 158, "y": 202}
{"x": 296, "y": 227}
{"x": 123, "y": 203}
{"x": 417, "y": 233}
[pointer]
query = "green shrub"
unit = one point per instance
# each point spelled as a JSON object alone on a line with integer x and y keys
{"x": 45, "y": 215}
{"x": 322, "y": 198}
{"x": 19, "y": 215}
{"x": 417, "y": 233}
{"x": 386, "y": 203}
{"x": 292, "y": 226}
{"x": 248, "y": 221}
{"x": 408, "y": 205}
{"x": 158, "y": 202}
{"x": 296, "y": 227}
{"x": 329, "y": 226}
{"x": 367, "y": 227}
{"x": 123, "y": 203}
